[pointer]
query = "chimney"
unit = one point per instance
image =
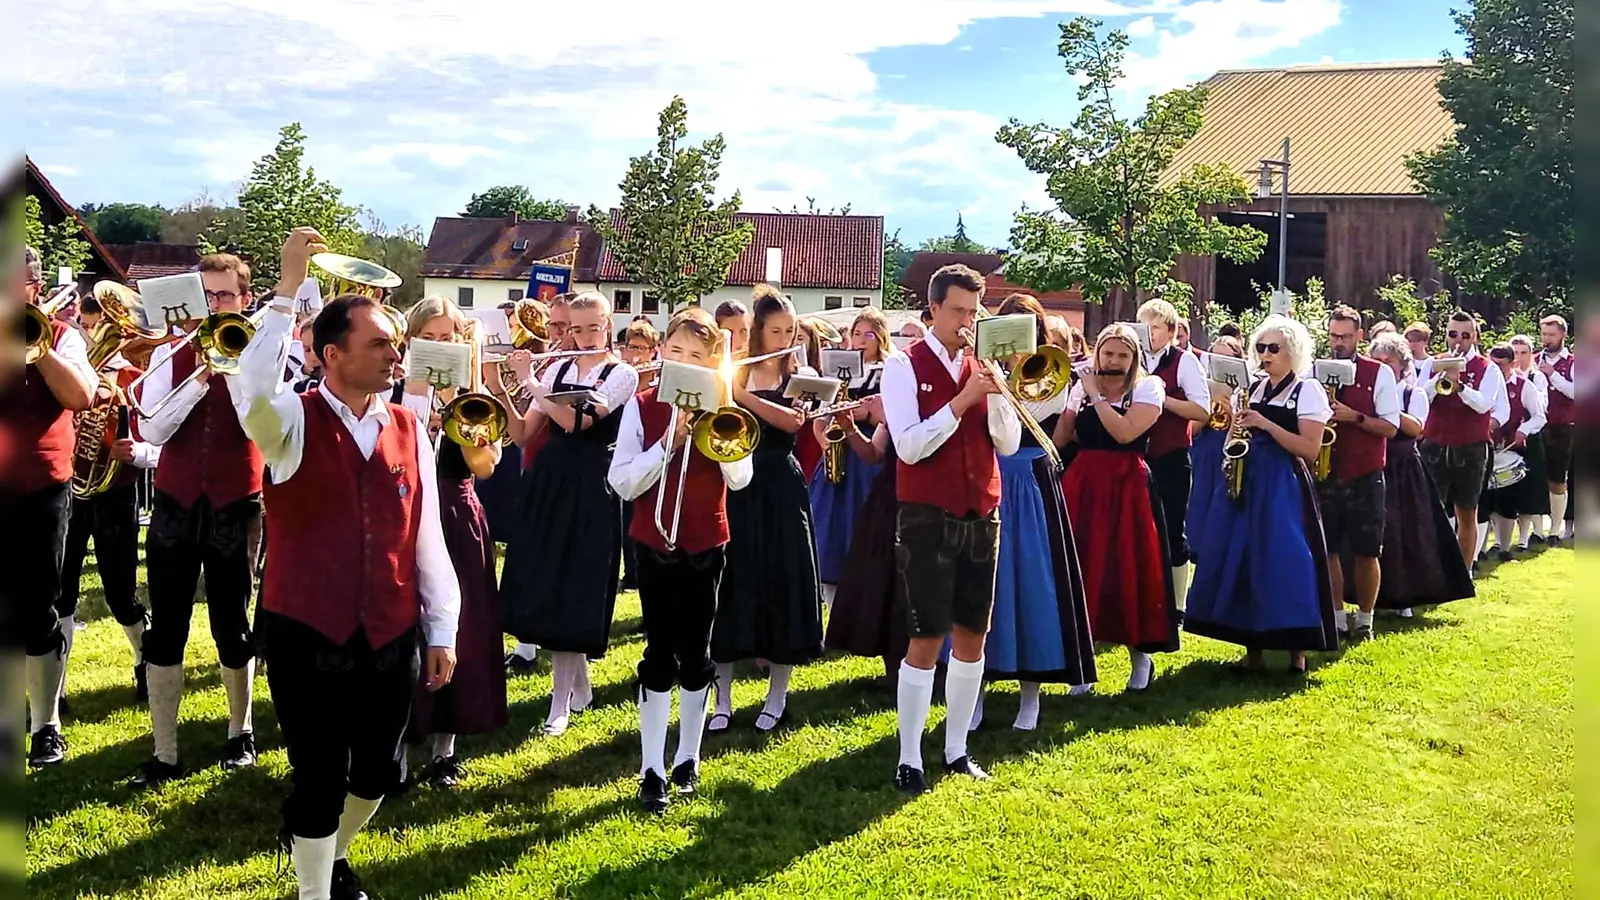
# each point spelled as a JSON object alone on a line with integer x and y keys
{"x": 572, "y": 213}
{"x": 775, "y": 266}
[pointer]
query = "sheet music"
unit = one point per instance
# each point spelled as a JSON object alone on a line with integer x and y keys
{"x": 1002, "y": 337}
{"x": 493, "y": 326}
{"x": 812, "y": 391}
{"x": 1143, "y": 331}
{"x": 1336, "y": 373}
{"x": 689, "y": 387}
{"x": 439, "y": 364}
{"x": 1228, "y": 370}
{"x": 171, "y": 300}
{"x": 870, "y": 382}
{"x": 848, "y": 365}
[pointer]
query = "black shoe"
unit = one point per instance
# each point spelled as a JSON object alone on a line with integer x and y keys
{"x": 653, "y": 793}
{"x": 1504, "y": 556}
{"x": 141, "y": 684}
{"x": 445, "y": 773}
{"x": 1553, "y": 540}
{"x": 346, "y": 886}
{"x": 154, "y": 772}
{"x": 1360, "y": 633}
{"x": 1343, "y": 634}
{"x": 686, "y": 777}
{"x": 48, "y": 748}
{"x": 517, "y": 665}
{"x": 910, "y": 780}
{"x": 240, "y": 752}
{"x": 965, "y": 766}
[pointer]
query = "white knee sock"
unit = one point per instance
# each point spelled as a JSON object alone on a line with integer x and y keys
{"x": 691, "y": 725}
{"x": 654, "y": 709}
{"x": 563, "y": 675}
{"x": 1028, "y": 711}
{"x": 1364, "y": 620}
{"x": 962, "y": 683}
{"x": 1341, "y": 617}
{"x": 582, "y": 690}
{"x": 135, "y": 635}
{"x": 241, "y": 714}
{"x": 444, "y": 746}
{"x": 357, "y": 813}
{"x": 1143, "y": 668}
{"x": 1558, "y": 511}
{"x": 1483, "y": 539}
{"x": 313, "y": 866}
{"x": 1180, "y": 585}
{"x": 166, "y": 693}
{"x": 914, "y": 694}
{"x": 724, "y": 685}
{"x": 777, "y": 689}
{"x": 527, "y": 651}
{"x": 1525, "y": 525}
{"x": 1502, "y": 532}
{"x": 977, "y": 713}
{"x": 43, "y": 674}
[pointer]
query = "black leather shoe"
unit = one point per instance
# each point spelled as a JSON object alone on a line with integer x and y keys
{"x": 966, "y": 766}
{"x": 1360, "y": 633}
{"x": 517, "y": 665}
{"x": 48, "y": 748}
{"x": 1504, "y": 556}
{"x": 686, "y": 777}
{"x": 445, "y": 773}
{"x": 141, "y": 686}
{"x": 240, "y": 752}
{"x": 154, "y": 772}
{"x": 346, "y": 886}
{"x": 653, "y": 793}
{"x": 909, "y": 780}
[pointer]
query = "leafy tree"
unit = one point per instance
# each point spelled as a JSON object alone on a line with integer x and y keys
{"x": 1118, "y": 224}
{"x": 812, "y": 209}
{"x": 61, "y": 244}
{"x": 281, "y": 194}
{"x": 202, "y": 214}
{"x": 1505, "y": 179}
{"x": 958, "y": 242}
{"x": 124, "y": 223}
{"x": 400, "y": 250}
{"x": 896, "y": 257}
{"x": 1310, "y": 309}
{"x": 675, "y": 236}
{"x": 513, "y": 199}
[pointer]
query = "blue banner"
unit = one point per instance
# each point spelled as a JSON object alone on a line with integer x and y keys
{"x": 548, "y": 282}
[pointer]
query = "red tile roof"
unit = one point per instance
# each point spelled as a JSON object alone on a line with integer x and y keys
{"x": 819, "y": 251}
{"x": 150, "y": 259}
{"x": 486, "y": 248}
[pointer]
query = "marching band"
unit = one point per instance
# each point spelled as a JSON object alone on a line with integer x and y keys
{"x": 989, "y": 506}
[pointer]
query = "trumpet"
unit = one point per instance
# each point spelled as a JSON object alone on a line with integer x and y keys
{"x": 36, "y": 331}
{"x": 1235, "y": 449}
{"x": 1042, "y": 375}
{"x": 473, "y": 419}
{"x": 727, "y": 434}
{"x": 221, "y": 339}
{"x": 1322, "y": 470}
{"x": 1445, "y": 386}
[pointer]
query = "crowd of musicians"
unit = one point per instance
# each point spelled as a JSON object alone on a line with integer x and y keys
{"x": 944, "y": 522}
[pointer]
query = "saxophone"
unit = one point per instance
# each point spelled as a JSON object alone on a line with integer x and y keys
{"x": 1323, "y": 469}
{"x": 1235, "y": 449}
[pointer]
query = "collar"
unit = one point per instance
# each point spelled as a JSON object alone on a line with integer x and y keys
{"x": 1472, "y": 352}
{"x": 937, "y": 346}
{"x": 376, "y": 408}
{"x": 1154, "y": 358}
{"x": 1561, "y": 354}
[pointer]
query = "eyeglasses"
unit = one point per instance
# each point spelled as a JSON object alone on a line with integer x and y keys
{"x": 1263, "y": 348}
{"x": 222, "y": 296}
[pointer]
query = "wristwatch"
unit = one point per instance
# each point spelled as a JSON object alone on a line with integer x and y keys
{"x": 1361, "y": 418}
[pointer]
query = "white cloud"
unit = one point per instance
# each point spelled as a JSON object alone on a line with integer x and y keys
{"x": 1142, "y": 28}
{"x": 1199, "y": 38}
{"x": 55, "y": 171}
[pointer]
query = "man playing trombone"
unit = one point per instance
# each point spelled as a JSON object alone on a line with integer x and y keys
{"x": 36, "y": 446}
{"x": 206, "y": 503}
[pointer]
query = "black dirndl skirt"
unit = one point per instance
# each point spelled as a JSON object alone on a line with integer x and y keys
{"x": 867, "y": 617}
{"x": 1421, "y": 563}
{"x": 559, "y": 586}
{"x": 1528, "y": 497}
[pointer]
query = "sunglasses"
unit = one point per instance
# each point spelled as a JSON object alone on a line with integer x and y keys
{"x": 1459, "y": 335}
{"x": 1274, "y": 348}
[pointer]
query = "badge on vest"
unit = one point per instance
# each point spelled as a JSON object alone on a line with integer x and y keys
{"x": 400, "y": 480}
{"x": 926, "y": 388}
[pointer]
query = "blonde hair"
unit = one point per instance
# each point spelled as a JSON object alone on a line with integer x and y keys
{"x": 429, "y": 308}
{"x": 1157, "y": 312}
{"x": 1123, "y": 332}
{"x": 698, "y": 323}
{"x": 880, "y": 329}
{"x": 590, "y": 300}
{"x": 1296, "y": 343}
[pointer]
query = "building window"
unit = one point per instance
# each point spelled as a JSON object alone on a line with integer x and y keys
{"x": 861, "y": 301}
{"x": 651, "y": 303}
{"x": 464, "y": 297}
{"x": 622, "y": 301}
{"x": 832, "y": 302}
{"x": 514, "y": 294}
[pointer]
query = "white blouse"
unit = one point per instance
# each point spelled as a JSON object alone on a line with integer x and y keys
{"x": 1148, "y": 390}
{"x": 619, "y": 387}
{"x": 1313, "y": 398}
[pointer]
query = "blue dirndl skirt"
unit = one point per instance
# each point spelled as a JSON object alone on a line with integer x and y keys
{"x": 1261, "y": 579}
{"x": 1039, "y": 630}
{"x": 1205, "y": 458}
{"x": 834, "y": 508}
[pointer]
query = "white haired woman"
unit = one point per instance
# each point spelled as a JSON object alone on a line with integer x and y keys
{"x": 1261, "y": 579}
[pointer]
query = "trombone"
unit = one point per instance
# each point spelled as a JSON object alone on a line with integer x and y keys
{"x": 1041, "y": 375}
{"x": 221, "y": 338}
{"x": 36, "y": 331}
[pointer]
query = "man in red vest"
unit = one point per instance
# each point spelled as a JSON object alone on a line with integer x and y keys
{"x": 1365, "y": 415}
{"x": 946, "y": 433}
{"x": 1188, "y": 400}
{"x": 206, "y": 504}
{"x": 36, "y": 438}
{"x": 1460, "y": 423}
{"x": 1556, "y": 363}
{"x": 357, "y": 569}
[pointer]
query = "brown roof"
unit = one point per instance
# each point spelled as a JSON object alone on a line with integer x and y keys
{"x": 996, "y": 288}
{"x": 151, "y": 259}
{"x": 923, "y": 264}
{"x": 819, "y": 251}
{"x": 107, "y": 265}
{"x": 487, "y": 248}
{"x": 1350, "y": 126}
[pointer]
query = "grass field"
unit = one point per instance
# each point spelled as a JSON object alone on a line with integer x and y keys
{"x": 1435, "y": 761}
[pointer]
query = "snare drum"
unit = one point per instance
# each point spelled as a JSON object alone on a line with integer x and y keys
{"x": 1507, "y": 468}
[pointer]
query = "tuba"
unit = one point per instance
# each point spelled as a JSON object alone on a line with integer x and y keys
{"x": 1234, "y": 450}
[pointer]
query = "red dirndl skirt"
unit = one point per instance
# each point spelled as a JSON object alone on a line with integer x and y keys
{"x": 1118, "y": 529}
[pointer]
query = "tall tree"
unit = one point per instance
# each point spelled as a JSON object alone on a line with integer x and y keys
{"x": 1505, "y": 179}
{"x": 400, "y": 250}
{"x": 896, "y": 257}
{"x": 124, "y": 223}
{"x": 202, "y": 215}
{"x": 1118, "y": 224}
{"x": 956, "y": 242}
{"x": 503, "y": 201}
{"x": 59, "y": 245}
{"x": 676, "y": 236}
{"x": 812, "y": 209}
{"x": 281, "y": 194}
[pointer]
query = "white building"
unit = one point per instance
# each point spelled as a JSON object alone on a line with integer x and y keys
{"x": 829, "y": 262}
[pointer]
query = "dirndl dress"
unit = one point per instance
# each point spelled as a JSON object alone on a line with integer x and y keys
{"x": 1262, "y": 579}
{"x": 474, "y": 702}
{"x": 1421, "y": 563}
{"x": 498, "y": 494}
{"x": 867, "y": 619}
{"x": 560, "y": 580}
{"x": 769, "y": 605}
{"x": 1039, "y": 630}
{"x": 1205, "y": 458}
{"x": 834, "y": 509}
{"x": 1121, "y": 540}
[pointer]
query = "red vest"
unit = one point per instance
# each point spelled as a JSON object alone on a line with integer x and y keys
{"x": 1451, "y": 422}
{"x": 1171, "y": 432}
{"x": 36, "y": 434}
{"x": 1360, "y": 452}
{"x": 1518, "y": 413}
{"x": 342, "y": 530}
{"x": 1563, "y": 409}
{"x": 963, "y": 475}
{"x": 209, "y": 455}
{"x": 704, "y": 524}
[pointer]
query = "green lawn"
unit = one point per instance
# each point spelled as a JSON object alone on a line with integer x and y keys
{"x": 1434, "y": 761}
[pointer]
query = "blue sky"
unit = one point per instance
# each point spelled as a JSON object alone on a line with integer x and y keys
{"x": 889, "y": 106}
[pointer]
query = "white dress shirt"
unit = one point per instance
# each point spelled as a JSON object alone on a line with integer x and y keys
{"x": 275, "y": 419}
{"x": 1148, "y": 391}
{"x": 1386, "y": 396}
{"x": 621, "y": 384}
{"x": 635, "y": 467}
{"x": 1488, "y": 397}
{"x": 1418, "y": 408}
{"x": 1533, "y": 400}
{"x": 916, "y": 438}
{"x": 159, "y": 428}
{"x": 1559, "y": 382}
{"x": 145, "y": 454}
{"x": 1312, "y": 398}
{"x": 74, "y": 351}
{"x": 1191, "y": 376}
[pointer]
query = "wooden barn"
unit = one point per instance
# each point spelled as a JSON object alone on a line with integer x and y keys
{"x": 1355, "y": 217}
